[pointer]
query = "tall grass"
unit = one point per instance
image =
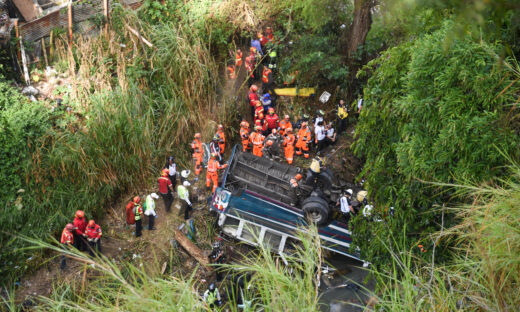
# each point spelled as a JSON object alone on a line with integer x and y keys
{"x": 484, "y": 274}
{"x": 273, "y": 286}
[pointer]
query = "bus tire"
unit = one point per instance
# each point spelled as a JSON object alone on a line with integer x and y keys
{"x": 316, "y": 210}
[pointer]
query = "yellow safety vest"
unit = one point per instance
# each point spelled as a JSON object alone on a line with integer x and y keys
{"x": 342, "y": 112}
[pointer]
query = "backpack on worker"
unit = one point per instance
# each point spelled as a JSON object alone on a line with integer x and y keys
{"x": 130, "y": 214}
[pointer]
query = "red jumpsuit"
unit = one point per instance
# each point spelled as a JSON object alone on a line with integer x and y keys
{"x": 272, "y": 121}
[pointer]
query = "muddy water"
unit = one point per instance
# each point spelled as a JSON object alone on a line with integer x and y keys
{"x": 339, "y": 290}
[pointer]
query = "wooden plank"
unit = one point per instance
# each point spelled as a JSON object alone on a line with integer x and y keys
{"x": 192, "y": 249}
{"x": 29, "y": 9}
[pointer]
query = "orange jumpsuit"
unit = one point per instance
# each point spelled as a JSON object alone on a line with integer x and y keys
{"x": 257, "y": 139}
{"x": 284, "y": 124}
{"x": 212, "y": 173}
{"x": 244, "y": 136}
{"x": 223, "y": 144}
{"x": 196, "y": 146}
{"x": 238, "y": 59}
{"x": 288, "y": 143}
{"x": 231, "y": 72}
{"x": 304, "y": 138}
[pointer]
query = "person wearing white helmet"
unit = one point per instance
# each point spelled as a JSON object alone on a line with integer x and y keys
{"x": 345, "y": 202}
{"x": 184, "y": 196}
{"x": 149, "y": 210}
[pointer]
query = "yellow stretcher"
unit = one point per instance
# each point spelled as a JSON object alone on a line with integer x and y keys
{"x": 304, "y": 92}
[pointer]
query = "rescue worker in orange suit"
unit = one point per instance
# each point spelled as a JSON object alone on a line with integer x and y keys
{"x": 252, "y": 96}
{"x": 80, "y": 224}
{"x": 303, "y": 140}
{"x": 269, "y": 34}
{"x": 295, "y": 189}
{"x": 197, "y": 151}
{"x": 67, "y": 239}
{"x": 244, "y": 135}
{"x": 267, "y": 79}
{"x": 165, "y": 189}
{"x": 284, "y": 124}
{"x": 288, "y": 144}
{"x": 238, "y": 59}
{"x": 214, "y": 147}
{"x": 271, "y": 119}
{"x": 93, "y": 233}
{"x": 222, "y": 142}
{"x": 257, "y": 139}
{"x": 212, "y": 172}
{"x": 250, "y": 67}
{"x": 256, "y": 57}
{"x": 231, "y": 72}
{"x": 259, "y": 110}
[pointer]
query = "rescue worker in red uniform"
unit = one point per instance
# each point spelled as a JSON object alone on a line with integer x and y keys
{"x": 67, "y": 239}
{"x": 80, "y": 223}
{"x": 267, "y": 79}
{"x": 257, "y": 139}
{"x": 284, "y": 124}
{"x": 222, "y": 142}
{"x": 295, "y": 189}
{"x": 272, "y": 119}
{"x": 238, "y": 59}
{"x": 265, "y": 126}
{"x": 250, "y": 67}
{"x": 138, "y": 212}
{"x": 252, "y": 96}
{"x": 212, "y": 172}
{"x": 263, "y": 40}
{"x": 304, "y": 139}
{"x": 269, "y": 34}
{"x": 259, "y": 110}
{"x": 165, "y": 189}
{"x": 93, "y": 233}
{"x": 197, "y": 151}
{"x": 244, "y": 135}
{"x": 288, "y": 144}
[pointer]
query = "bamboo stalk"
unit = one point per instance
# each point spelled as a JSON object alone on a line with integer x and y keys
{"x": 106, "y": 12}
{"x": 69, "y": 13}
{"x": 24, "y": 62}
{"x": 44, "y": 50}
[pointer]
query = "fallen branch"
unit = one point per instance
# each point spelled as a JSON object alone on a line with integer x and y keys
{"x": 138, "y": 35}
{"x": 192, "y": 249}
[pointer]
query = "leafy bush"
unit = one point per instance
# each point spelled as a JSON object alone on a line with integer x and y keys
{"x": 432, "y": 113}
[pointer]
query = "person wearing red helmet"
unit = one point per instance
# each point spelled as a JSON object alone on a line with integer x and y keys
{"x": 166, "y": 189}
{"x": 212, "y": 172}
{"x": 252, "y": 96}
{"x": 93, "y": 233}
{"x": 67, "y": 239}
{"x": 259, "y": 111}
{"x": 80, "y": 223}
{"x": 272, "y": 119}
{"x": 138, "y": 212}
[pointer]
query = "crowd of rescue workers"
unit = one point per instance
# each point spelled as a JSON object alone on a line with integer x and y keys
{"x": 269, "y": 136}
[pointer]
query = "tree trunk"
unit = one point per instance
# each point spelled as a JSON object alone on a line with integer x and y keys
{"x": 192, "y": 249}
{"x": 360, "y": 26}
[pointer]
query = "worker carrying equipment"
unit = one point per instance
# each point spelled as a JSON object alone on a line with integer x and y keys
{"x": 222, "y": 142}
{"x": 93, "y": 233}
{"x": 67, "y": 239}
{"x": 303, "y": 140}
{"x": 288, "y": 144}
{"x": 212, "y": 296}
{"x": 295, "y": 189}
{"x": 212, "y": 172}
{"x": 244, "y": 135}
{"x": 257, "y": 139}
{"x": 317, "y": 165}
{"x": 197, "y": 153}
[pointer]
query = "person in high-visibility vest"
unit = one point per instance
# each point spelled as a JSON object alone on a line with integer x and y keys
{"x": 342, "y": 114}
{"x": 138, "y": 212}
{"x": 93, "y": 233}
{"x": 197, "y": 151}
{"x": 267, "y": 79}
{"x": 257, "y": 140}
{"x": 295, "y": 189}
{"x": 303, "y": 141}
{"x": 184, "y": 196}
{"x": 244, "y": 135}
{"x": 212, "y": 172}
{"x": 288, "y": 144}
{"x": 259, "y": 110}
{"x": 284, "y": 124}
{"x": 67, "y": 239}
{"x": 222, "y": 142}
{"x": 238, "y": 59}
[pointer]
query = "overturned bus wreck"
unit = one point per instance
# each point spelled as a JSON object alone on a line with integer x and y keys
{"x": 253, "y": 205}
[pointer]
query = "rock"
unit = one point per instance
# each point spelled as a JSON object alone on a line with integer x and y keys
{"x": 30, "y": 90}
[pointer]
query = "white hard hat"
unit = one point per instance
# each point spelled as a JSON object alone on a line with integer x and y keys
{"x": 349, "y": 191}
{"x": 154, "y": 195}
{"x": 186, "y": 183}
{"x": 185, "y": 173}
